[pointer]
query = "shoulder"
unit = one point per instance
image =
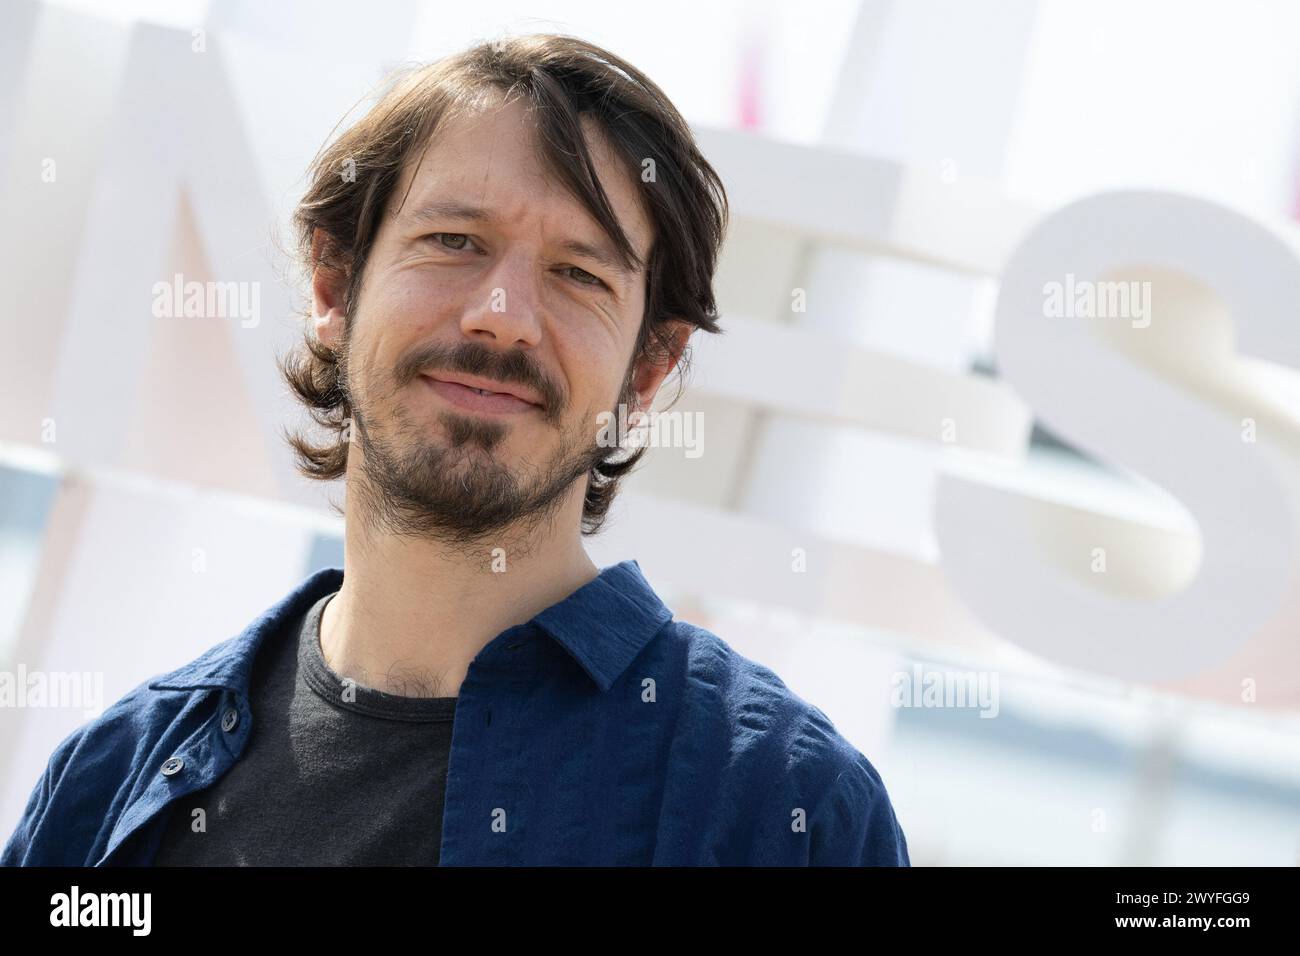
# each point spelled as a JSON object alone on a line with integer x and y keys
{"x": 67, "y": 807}
{"x": 131, "y": 717}
{"x": 96, "y": 771}
{"x": 773, "y": 743}
{"x": 856, "y": 825}
{"x": 752, "y": 698}
{"x": 91, "y": 773}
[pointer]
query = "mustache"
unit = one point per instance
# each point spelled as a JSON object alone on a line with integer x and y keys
{"x": 470, "y": 358}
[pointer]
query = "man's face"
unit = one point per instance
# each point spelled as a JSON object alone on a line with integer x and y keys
{"x": 481, "y": 278}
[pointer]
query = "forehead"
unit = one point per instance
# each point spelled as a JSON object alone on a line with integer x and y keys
{"x": 488, "y": 158}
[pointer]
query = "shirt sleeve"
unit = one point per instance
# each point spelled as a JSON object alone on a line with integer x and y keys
{"x": 855, "y": 824}
{"x": 18, "y": 848}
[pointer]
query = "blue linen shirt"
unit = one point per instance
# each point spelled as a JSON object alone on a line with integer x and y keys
{"x": 601, "y": 732}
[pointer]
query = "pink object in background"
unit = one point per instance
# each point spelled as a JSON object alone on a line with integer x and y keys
{"x": 749, "y": 92}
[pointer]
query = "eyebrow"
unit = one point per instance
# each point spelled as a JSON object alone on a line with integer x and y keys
{"x": 440, "y": 210}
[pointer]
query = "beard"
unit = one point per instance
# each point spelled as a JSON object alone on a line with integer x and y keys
{"x": 452, "y": 488}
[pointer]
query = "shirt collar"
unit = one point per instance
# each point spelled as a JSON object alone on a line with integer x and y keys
{"x": 603, "y": 625}
{"x": 606, "y": 623}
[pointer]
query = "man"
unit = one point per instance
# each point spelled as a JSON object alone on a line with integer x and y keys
{"x": 511, "y": 242}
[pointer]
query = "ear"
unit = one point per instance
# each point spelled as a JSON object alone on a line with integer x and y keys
{"x": 650, "y": 374}
{"x": 328, "y": 286}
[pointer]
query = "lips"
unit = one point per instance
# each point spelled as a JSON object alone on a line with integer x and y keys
{"x": 487, "y": 386}
{"x": 467, "y": 394}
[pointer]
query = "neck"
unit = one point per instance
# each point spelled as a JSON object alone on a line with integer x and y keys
{"x": 412, "y": 613}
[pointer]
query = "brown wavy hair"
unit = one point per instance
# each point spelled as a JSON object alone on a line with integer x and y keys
{"x": 562, "y": 78}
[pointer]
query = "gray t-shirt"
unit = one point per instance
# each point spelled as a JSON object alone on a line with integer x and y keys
{"x": 333, "y": 773}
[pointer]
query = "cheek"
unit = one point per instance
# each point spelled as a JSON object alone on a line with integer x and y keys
{"x": 401, "y": 311}
{"x": 411, "y": 300}
{"x": 597, "y": 352}
{"x": 594, "y": 366}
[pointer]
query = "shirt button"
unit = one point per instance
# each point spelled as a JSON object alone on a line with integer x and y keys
{"x": 172, "y": 766}
{"x": 229, "y": 720}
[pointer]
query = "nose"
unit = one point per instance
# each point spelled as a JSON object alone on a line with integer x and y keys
{"x": 506, "y": 311}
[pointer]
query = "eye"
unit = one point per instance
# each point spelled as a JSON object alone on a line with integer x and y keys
{"x": 584, "y": 277}
{"x": 441, "y": 237}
